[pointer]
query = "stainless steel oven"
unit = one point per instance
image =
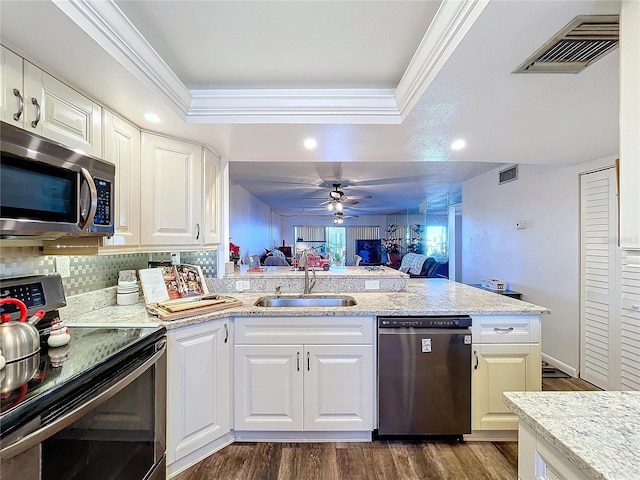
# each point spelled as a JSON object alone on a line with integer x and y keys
{"x": 106, "y": 421}
{"x": 92, "y": 409}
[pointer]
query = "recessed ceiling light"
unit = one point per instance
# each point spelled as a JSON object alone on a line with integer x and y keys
{"x": 458, "y": 144}
{"x": 310, "y": 143}
{"x": 152, "y": 117}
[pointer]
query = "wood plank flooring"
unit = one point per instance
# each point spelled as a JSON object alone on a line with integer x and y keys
{"x": 378, "y": 460}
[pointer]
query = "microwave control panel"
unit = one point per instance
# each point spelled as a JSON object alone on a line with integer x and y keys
{"x": 103, "y": 211}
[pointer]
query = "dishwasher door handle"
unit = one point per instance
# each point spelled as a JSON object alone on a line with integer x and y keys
{"x": 475, "y": 354}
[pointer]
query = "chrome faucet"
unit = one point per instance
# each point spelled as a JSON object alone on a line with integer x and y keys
{"x": 278, "y": 290}
{"x": 308, "y": 285}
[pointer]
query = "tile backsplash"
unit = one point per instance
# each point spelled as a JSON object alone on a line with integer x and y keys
{"x": 92, "y": 272}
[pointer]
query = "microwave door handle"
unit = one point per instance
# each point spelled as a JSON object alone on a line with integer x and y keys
{"x": 93, "y": 202}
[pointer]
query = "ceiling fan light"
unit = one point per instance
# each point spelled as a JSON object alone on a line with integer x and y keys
{"x": 338, "y": 206}
{"x": 330, "y": 207}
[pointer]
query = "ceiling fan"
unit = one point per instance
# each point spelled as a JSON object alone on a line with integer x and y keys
{"x": 337, "y": 199}
{"x": 339, "y": 217}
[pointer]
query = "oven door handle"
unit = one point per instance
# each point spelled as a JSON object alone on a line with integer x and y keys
{"x": 42, "y": 434}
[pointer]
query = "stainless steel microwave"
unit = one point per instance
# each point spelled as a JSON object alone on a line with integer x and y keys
{"x": 48, "y": 190}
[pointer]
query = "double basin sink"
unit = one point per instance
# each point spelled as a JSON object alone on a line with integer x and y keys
{"x": 306, "y": 301}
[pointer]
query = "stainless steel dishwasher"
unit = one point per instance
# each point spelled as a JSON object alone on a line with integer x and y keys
{"x": 424, "y": 376}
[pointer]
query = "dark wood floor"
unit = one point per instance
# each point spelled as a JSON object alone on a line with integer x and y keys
{"x": 378, "y": 460}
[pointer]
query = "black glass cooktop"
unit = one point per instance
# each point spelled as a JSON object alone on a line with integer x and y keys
{"x": 54, "y": 374}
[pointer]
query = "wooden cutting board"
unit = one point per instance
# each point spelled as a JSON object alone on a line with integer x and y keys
{"x": 173, "y": 310}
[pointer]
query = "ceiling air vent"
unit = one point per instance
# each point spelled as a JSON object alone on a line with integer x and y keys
{"x": 583, "y": 41}
{"x": 508, "y": 175}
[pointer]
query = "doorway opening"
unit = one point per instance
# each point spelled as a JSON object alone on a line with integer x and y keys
{"x": 337, "y": 245}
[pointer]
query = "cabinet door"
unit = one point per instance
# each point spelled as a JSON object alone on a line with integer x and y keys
{"x": 212, "y": 199}
{"x": 171, "y": 192}
{"x": 268, "y": 387}
{"x": 497, "y": 369}
{"x": 61, "y": 114}
{"x": 198, "y": 383}
{"x": 11, "y": 82}
{"x": 122, "y": 148}
{"x": 338, "y": 387}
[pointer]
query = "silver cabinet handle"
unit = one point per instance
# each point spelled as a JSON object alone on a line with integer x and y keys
{"x": 635, "y": 307}
{"x": 197, "y": 231}
{"x": 226, "y": 333}
{"x": 475, "y": 354}
{"x": 34, "y": 100}
{"x": 298, "y": 361}
{"x": 499, "y": 329}
{"x": 308, "y": 362}
{"x": 16, "y": 116}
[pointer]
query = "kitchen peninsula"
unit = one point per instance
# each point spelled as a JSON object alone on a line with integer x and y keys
{"x": 248, "y": 349}
{"x": 586, "y": 435}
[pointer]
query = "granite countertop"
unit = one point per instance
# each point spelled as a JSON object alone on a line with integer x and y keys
{"x": 289, "y": 272}
{"x": 421, "y": 297}
{"x": 598, "y": 432}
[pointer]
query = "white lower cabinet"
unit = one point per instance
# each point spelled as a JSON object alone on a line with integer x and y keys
{"x": 506, "y": 358}
{"x": 539, "y": 460}
{"x": 198, "y": 386}
{"x": 498, "y": 369}
{"x": 304, "y": 386}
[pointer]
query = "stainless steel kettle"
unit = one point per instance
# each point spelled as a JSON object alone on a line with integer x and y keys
{"x": 19, "y": 339}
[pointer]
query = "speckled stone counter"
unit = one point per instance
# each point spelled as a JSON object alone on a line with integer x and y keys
{"x": 421, "y": 297}
{"x": 598, "y": 432}
{"x": 336, "y": 280}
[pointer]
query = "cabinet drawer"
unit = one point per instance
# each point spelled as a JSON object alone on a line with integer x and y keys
{"x": 308, "y": 330}
{"x": 506, "y": 329}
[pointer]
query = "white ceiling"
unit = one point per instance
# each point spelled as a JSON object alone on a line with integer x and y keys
{"x": 384, "y": 86}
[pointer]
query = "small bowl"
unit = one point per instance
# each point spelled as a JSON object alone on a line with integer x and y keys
{"x": 127, "y": 298}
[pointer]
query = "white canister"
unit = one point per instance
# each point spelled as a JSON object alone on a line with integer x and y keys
{"x": 127, "y": 298}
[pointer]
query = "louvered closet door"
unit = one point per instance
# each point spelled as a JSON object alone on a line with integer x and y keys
{"x": 630, "y": 350}
{"x": 600, "y": 324}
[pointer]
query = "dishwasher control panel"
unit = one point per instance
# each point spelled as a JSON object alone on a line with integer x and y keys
{"x": 458, "y": 321}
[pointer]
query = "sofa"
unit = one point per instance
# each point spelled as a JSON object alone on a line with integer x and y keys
{"x": 421, "y": 266}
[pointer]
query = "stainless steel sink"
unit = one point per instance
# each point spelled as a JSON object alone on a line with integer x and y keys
{"x": 306, "y": 301}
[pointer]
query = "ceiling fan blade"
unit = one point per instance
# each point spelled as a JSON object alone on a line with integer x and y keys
{"x": 361, "y": 197}
{"x": 350, "y": 201}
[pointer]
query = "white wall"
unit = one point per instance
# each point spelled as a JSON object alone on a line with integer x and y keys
{"x": 541, "y": 261}
{"x": 252, "y": 224}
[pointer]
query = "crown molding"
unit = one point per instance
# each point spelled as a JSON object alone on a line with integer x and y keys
{"x": 106, "y": 24}
{"x": 365, "y": 106}
{"x": 451, "y": 23}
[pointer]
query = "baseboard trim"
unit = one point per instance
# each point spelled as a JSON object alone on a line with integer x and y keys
{"x": 569, "y": 370}
{"x": 188, "y": 461}
{"x": 258, "y": 436}
{"x": 492, "y": 436}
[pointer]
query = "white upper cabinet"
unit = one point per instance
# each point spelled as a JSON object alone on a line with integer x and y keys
{"x": 171, "y": 188}
{"x": 12, "y": 97}
{"x": 212, "y": 198}
{"x": 34, "y": 100}
{"x": 122, "y": 148}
